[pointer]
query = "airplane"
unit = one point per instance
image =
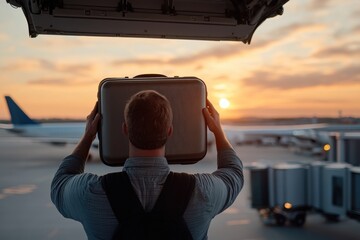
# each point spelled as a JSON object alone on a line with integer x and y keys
{"x": 53, "y": 133}
{"x": 303, "y": 139}
{"x": 306, "y": 138}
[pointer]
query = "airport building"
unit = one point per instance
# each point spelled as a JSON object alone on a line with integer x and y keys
{"x": 286, "y": 192}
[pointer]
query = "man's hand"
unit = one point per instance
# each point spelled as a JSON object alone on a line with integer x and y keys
{"x": 212, "y": 119}
{"x": 92, "y": 122}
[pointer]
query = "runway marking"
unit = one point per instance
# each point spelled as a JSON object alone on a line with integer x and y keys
{"x": 53, "y": 233}
{"x": 17, "y": 190}
{"x": 238, "y": 222}
{"x": 50, "y": 205}
{"x": 231, "y": 210}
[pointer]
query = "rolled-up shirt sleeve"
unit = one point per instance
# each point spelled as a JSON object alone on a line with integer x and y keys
{"x": 221, "y": 188}
{"x": 69, "y": 186}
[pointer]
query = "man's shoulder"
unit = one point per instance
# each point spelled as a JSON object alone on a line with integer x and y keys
{"x": 89, "y": 182}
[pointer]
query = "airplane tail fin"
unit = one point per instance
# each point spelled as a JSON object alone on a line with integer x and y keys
{"x": 18, "y": 116}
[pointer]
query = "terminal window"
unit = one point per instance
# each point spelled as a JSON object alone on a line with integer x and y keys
{"x": 337, "y": 193}
{"x": 355, "y": 199}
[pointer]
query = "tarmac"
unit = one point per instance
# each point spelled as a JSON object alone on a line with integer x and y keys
{"x": 26, "y": 211}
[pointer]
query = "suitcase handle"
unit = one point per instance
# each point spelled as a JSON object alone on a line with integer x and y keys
{"x": 149, "y": 75}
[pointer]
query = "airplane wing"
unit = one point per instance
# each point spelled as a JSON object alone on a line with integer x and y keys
{"x": 6, "y": 126}
{"x": 298, "y": 130}
{"x": 231, "y": 20}
{"x": 305, "y": 139}
{"x": 258, "y": 134}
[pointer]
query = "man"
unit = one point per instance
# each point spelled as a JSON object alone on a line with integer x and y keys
{"x": 148, "y": 124}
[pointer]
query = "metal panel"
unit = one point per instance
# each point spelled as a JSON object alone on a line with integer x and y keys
{"x": 181, "y": 19}
{"x": 335, "y": 187}
{"x": 290, "y": 185}
{"x": 316, "y": 184}
{"x": 354, "y": 193}
{"x": 259, "y": 175}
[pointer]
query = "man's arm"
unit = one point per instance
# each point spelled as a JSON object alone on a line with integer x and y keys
{"x": 92, "y": 122}
{"x": 224, "y": 185}
{"x": 67, "y": 181}
{"x": 212, "y": 119}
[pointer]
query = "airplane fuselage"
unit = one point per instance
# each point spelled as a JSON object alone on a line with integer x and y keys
{"x": 51, "y": 132}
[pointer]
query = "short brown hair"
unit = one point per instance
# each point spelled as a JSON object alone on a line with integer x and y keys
{"x": 148, "y": 116}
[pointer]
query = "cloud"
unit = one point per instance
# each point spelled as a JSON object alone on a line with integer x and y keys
{"x": 4, "y": 37}
{"x": 268, "y": 79}
{"x": 295, "y": 28}
{"x": 347, "y": 50}
{"x": 26, "y": 64}
{"x": 351, "y": 31}
{"x": 319, "y": 4}
{"x": 140, "y": 61}
{"x": 77, "y": 69}
{"x": 65, "y": 82}
{"x": 355, "y": 14}
{"x": 49, "y": 81}
{"x": 55, "y": 43}
{"x": 227, "y": 50}
{"x": 43, "y": 65}
{"x": 356, "y": 29}
{"x": 223, "y": 51}
{"x": 320, "y": 100}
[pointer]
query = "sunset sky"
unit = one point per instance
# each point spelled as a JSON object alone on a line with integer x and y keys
{"x": 303, "y": 63}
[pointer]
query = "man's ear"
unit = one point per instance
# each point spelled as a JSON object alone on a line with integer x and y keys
{"x": 170, "y": 131}
{"x": 125, "y": 129}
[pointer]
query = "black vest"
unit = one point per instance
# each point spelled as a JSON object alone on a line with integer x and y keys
{"x": 164, "y": 222}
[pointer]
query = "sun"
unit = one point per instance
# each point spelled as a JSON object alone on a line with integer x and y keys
{"x": 224, "y": 103}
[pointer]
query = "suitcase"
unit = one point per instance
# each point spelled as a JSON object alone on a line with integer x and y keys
{"x": 187, "y": 96}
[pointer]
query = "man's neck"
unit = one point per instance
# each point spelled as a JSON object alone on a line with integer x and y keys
{"x": 137, "y": 152}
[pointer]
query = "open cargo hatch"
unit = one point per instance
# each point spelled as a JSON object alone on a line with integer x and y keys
{"x": 231, "y": 20}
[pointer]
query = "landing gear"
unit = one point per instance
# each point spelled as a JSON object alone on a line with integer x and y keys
{"x": 279, "y": 217}
{"x": 332, "y": 217}
{"x": 299, "y": 220}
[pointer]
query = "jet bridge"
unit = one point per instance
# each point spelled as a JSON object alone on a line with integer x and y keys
{"x": 229, "y": 20}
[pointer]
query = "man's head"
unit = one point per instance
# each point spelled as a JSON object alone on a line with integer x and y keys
{"x": 148, "y": 119}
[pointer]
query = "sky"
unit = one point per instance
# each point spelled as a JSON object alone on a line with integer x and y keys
{"x": 304, "y": 63}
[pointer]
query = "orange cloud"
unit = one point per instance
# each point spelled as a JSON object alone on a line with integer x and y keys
{"x": 224, "y": 51}
{"x": 25, "y": 64}
{"x": 47, "y": 65}
{"x": 290, "y": 30}
{"x": 4, "y": 37}
{"x": 318, "y": 4}
{"x": 270, "y": 79}
{"x": 63, "y": 81}
{"x": 316, "y": 101}
{"x": 77, "y": 69}
{"x": 50, "y": 81}
{"x": 347, "y": 50}
{"x": 356, "y": 29}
